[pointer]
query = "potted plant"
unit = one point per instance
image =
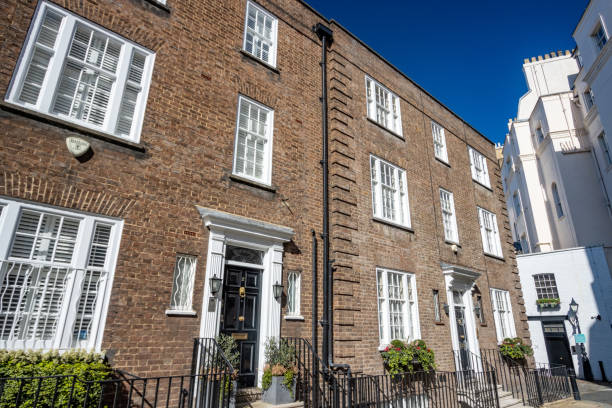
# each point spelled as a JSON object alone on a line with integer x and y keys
{"x": 548, "y": 302}
{"x": 400, "y": 357}
{"x": 514, "y": 351}
{"x": 279, "y": 373}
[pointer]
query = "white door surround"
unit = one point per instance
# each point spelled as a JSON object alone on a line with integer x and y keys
{"x": 227, "y": 229}
{"x": 461, "y": 280}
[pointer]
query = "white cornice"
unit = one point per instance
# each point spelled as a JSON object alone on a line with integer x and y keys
{"x": 222, "y": 221}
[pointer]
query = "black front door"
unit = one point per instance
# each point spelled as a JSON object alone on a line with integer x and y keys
{"x": 462, "y": 339}
{"x": 557, "y": 345}
{"x": 240, "y": 317}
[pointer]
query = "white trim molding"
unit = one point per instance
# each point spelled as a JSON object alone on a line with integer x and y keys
{"x": 227, "y": 229}
{"x": 461, "y": 279}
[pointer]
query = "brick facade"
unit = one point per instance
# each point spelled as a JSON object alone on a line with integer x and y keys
{"x": 184, "y": 159}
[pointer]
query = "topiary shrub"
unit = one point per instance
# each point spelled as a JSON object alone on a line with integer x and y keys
{"x": 69, "y": 372}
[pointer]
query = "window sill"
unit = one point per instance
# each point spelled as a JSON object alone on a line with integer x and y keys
{"x": 242, "y": 180}
{"x": 45, "y": 118}
{"x": 449, "y": 242}
{"x": 442, "y": 161}
{"x": 440, "y": 323}
{"x": 265, "y": 64}
{"x": 296, "y": 318}
{"x": 392, "y": 224}
{"x": 385, "y": 129}
{"x": 159, "y": 5}
{"x": 171, "y": 312}
{"x": 499, "y": 258}
{"x": 482, "y": 185}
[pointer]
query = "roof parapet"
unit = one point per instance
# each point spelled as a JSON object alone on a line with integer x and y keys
{"x": 552, "y": 54}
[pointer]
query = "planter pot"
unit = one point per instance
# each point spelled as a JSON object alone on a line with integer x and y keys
{"x": 278, "y": 394}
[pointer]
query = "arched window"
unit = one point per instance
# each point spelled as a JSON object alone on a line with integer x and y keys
{"x": 557, "y": 199}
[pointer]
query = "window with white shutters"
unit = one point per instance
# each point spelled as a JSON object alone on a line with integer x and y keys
{"x": 490, "y": 233}
{"x": 182, "y": 283}
{"x": 389, "y": 192}
{"x": 449, "y": 218}
{"x": 260, "y": 31}
{"x": 478, "y": 165}
{"x": 439, "y": 141}
{"x": 397, "y": 315}
{"x": 293, "y": 293}
{"x": 383, "y": 106}
{"x": 79, "y": 72}
{"x": 502, "y": 313}
{"x": 253, "y": 151}
{"x": 54, "y": 272}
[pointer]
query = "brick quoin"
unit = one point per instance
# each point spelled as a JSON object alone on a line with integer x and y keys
{"x": 185, "y": 158}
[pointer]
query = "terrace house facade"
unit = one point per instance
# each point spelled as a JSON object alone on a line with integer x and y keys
{"x": 160, "y": 178}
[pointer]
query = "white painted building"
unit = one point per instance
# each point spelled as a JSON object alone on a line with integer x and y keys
{"x": 593, "y": 88}
{"x": 555, "y": 177}
{"x": 577, "y": 273}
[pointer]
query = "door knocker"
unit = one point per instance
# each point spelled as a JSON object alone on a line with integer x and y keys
{"x": 242, "y": 291}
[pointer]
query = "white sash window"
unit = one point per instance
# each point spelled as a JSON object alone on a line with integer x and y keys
{"x": 79, "y": 72}
{"x": 383, "y": 106}
{"x": 449, "y": 218}
{"x": 502, "y": 312}
{"x": 397, "y": 314}
{"x": 260, "y": 31}
{"x": 389, "y": 192}
{"x": 55, "y": 274}
{"x": 490, "y": 233}
{"x": 253, "y": 151}
{"x": 439, "y": 142}
{"x": 478, "y": 164}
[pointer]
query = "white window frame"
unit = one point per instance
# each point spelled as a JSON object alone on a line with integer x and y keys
{"x": 451, "y": 232}
{"x": 502, "y": 314}
{"x": 516, "y": 201}
{"x": 545, "y": 285}
{"x": 439, "y": 140}
{"x": 410, "y": 313}
{"x": 491, "y": 244}
{"x": 478, "y": 165}
{"x": 181, "y": 297}
{"x": 267, "y": 159}
{"x": 297, "y": 289}
{"x": 273, "y": 42}
{"x": 589, "y": 100}
{"x": 554, "y": 189}
{"x": 599, "y": 41}
{"x": 605, "y": 148}
{"x": 400, "y": 196}
{"x": 392, "y": 121}
{"x": 76, "y": 277}
{"x": 47, "y": 95}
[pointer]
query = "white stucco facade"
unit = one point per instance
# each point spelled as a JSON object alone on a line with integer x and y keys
{"x": 581, "y": 274}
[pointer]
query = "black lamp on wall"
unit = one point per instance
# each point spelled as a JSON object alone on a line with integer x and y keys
{"x": 277, "y": 288}
{"x": 215, "y": 284}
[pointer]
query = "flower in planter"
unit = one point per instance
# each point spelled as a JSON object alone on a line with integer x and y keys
{"x": 548, "y": 302}
{"x": 514, "y": 349}
{"x": 400, "y": 357}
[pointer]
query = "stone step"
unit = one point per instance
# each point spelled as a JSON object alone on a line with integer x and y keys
{"x": 248, "y": 395}
{"x": 508, "y": 401}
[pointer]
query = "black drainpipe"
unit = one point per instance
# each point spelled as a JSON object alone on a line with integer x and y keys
{"x": 326, "y": 37}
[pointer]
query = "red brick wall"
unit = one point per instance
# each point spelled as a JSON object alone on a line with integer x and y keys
{"x": 188, "y": 139}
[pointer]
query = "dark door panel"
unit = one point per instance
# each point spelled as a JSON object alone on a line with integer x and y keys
{"x": 557, "y": 345}
{"x": 241, "y": 303}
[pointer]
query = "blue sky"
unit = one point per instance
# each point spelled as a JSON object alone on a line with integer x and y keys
{"x": 468, "y": 54}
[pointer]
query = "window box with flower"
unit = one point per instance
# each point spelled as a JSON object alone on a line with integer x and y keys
{"x": 548, "y": 302}
{"x": 400, "y": 357}
{"x": 514, "y": 351}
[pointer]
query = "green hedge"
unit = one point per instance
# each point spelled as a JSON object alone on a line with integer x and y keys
{"x": 71, "y": 371}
